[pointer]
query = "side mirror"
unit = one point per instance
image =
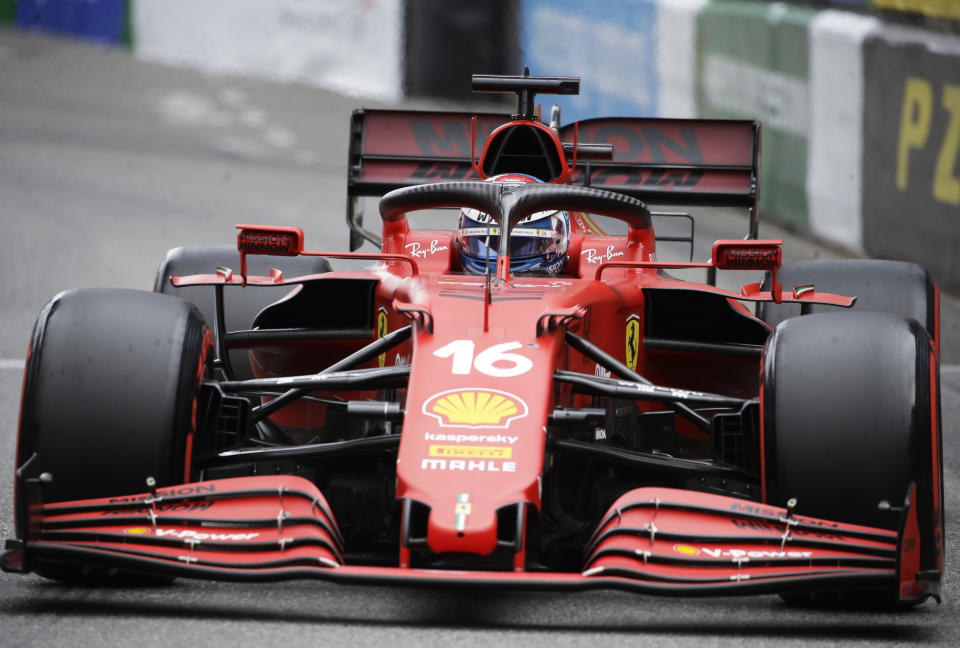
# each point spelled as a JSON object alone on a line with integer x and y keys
{"x": 747, "y": 255}
{"x": 751, "y": 255}
{"x": 268, "y": 239}
{"x": 271, "y": 240}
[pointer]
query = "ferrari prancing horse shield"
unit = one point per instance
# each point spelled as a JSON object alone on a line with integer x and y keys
{"x": 633, "y": 340}
{"x": 381, "y": 331}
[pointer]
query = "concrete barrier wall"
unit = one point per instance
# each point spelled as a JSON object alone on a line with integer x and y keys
{"x": 861, "y": 119}
{"x": 911, "y": 162}
{"x": 688, "y": 58}
{"x": 834, "y": 175}
{"x": 676, "y": 57}
{"x": 351, "y": 47}
{"x": 753, "y": 62}
{"x": 882, "y": 128}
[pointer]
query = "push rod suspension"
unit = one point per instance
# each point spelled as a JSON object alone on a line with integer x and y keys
{"x": 600, "y": 356}
{"x": 358, "y": 357}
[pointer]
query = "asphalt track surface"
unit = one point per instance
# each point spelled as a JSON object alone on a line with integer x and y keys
{"x": 105, "y": 163}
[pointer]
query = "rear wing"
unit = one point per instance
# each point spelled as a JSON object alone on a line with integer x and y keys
{"x": 391, "y": 149}
{"x": 707, "y": 162}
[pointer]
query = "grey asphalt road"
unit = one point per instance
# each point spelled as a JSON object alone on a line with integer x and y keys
{"x": 105, "y": 163}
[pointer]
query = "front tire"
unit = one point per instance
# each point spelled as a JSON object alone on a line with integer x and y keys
{"x": 110, "y": 391}
{"x": 110, "y": 397}
{"x": 851, "y": 417}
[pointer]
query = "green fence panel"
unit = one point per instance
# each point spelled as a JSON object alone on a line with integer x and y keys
{"x": 752, "y": 63}
{"x": 8, "y": 11}
{"x": 128, "y": 25}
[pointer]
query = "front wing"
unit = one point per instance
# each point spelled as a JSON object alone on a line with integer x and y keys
{"x": 653, "y": 540}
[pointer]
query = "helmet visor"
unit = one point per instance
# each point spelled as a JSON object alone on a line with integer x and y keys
{"x": 539, "y": 234}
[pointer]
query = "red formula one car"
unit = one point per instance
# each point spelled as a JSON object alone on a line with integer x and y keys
{"x": 458, "y": 415}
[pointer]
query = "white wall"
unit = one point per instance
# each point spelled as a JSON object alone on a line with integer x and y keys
{"x": 349, "y": 46}
{"x": 835, "y": 149}
{"x": 676, "y": 38}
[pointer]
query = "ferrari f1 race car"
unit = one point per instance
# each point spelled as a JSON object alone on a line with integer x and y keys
{"x": 454, "y": 415}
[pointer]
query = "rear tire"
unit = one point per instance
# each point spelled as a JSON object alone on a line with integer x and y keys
{"x": 240, "y": 305}
{"x": 110, "y": 397}
{"x": 897, "y": 287}
{"x": 851, "y": 417}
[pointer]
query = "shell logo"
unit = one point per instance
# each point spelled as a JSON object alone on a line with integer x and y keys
{"x": 475, "y": 408}
{"x": 686, "y": 549}
{"x": 137, "y": 530}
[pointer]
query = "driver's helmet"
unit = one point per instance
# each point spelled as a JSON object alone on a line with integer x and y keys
{"x": 538, "y": 243}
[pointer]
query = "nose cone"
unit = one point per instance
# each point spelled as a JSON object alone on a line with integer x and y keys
{"x": 476, "y": 411}
{"x": 462, "y": 523}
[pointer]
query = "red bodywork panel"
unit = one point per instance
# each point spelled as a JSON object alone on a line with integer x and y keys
{"x": 474, "y": 424}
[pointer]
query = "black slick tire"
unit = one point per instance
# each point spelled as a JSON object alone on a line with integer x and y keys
{"x": 851, "y": 417}
{"x": 110, "y": 396}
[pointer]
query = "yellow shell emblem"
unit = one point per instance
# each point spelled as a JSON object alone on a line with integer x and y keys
{"x": 475, "y": 408}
